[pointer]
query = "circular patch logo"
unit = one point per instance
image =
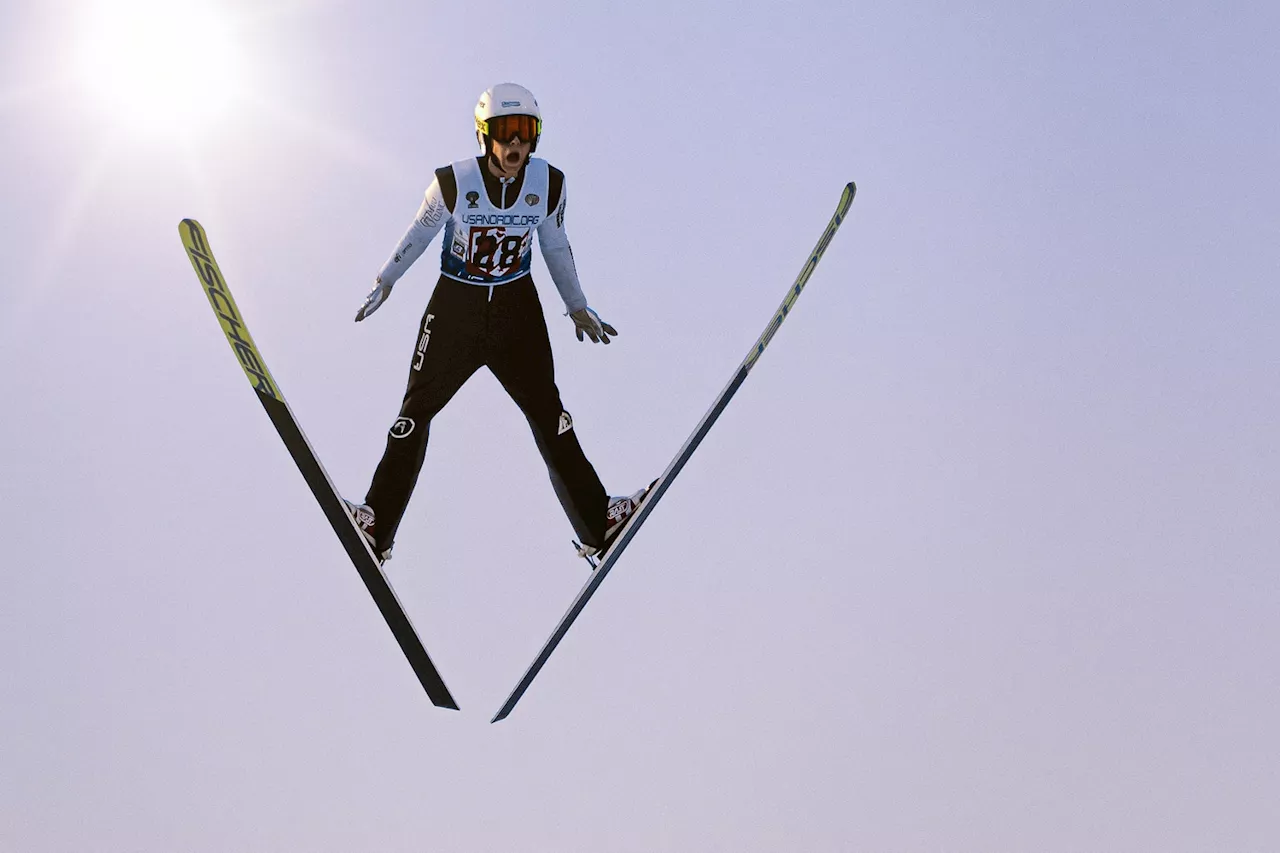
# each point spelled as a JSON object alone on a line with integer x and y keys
{"x": 402, "y": 427}
{"x": 532, "y": 199}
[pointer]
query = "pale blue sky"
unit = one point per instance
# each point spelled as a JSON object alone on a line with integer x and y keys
{"x": 983, "y": 557}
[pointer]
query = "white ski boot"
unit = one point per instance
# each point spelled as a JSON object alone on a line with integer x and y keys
{"x": 619, "y": 510}
{"x": 363, "y": 517}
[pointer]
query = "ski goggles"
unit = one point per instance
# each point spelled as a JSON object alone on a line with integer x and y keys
{"x": 506, "y": 128}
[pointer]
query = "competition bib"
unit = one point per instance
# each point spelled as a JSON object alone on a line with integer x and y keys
{"x": 487, "y": 245}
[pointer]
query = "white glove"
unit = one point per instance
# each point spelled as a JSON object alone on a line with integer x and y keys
{"x": 375, "y": 298}
{"x": 589, "y": 321}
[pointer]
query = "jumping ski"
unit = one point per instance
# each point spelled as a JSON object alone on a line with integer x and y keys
{"x": 268, "y": 393}
{"x": 632, "y": 525}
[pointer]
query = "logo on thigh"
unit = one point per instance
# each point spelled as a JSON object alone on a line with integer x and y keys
{"x": 566, "y": 423}
{"x": 402, "y": 427}
{"x": 423, "y": 339}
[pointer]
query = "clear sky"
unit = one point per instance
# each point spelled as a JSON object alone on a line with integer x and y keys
{"x": 983, "y": 557}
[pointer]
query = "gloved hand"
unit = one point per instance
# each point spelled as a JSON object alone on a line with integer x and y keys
{"x": 589, "y": 321}
{"x": 375, "y": 298}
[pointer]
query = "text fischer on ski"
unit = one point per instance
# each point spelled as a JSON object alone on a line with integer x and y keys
{"x": 485, "y": 311}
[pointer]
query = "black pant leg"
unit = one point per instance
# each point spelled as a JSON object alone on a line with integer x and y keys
{"x": 447, "y": 351}
{"x": 519, "y": 356}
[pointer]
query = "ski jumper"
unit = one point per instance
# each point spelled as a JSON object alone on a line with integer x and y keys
{"x": 485, "y": 311}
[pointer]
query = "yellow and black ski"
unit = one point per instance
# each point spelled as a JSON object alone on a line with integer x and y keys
{"x": 268, "y": 393}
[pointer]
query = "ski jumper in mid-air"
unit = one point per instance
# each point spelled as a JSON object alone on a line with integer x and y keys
{"x": 485, "y": 311}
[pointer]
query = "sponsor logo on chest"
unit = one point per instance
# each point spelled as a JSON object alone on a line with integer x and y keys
{"x": 509, "y": 220}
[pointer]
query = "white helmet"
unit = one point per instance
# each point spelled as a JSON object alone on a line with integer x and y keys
{"x": 506, "y": 99}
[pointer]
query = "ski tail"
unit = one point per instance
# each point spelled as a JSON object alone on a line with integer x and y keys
{"x": 269, "y": 395}
{"x": 633, "y": 523}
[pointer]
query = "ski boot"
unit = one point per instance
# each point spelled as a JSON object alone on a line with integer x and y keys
{"x": 363, "y": 517}
{"x": 619, "y": 510}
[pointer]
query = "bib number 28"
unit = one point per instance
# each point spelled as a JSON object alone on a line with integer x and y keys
{"x": 493, "y": 252}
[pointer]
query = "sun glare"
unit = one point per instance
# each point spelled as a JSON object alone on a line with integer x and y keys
{"x": 159, "y": 68}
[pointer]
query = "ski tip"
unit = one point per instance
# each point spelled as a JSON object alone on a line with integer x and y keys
{"x": 499, "y": 717}
{"x": 851, "y": 187}
{"x": 192, "y": 232}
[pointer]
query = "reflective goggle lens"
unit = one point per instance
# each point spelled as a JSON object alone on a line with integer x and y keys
{"x": 506, "y": 128}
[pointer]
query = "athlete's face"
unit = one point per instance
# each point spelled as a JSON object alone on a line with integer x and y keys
{"x": 511, "y": 156}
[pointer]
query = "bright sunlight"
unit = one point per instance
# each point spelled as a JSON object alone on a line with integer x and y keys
{"x": 158, "y": 68}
